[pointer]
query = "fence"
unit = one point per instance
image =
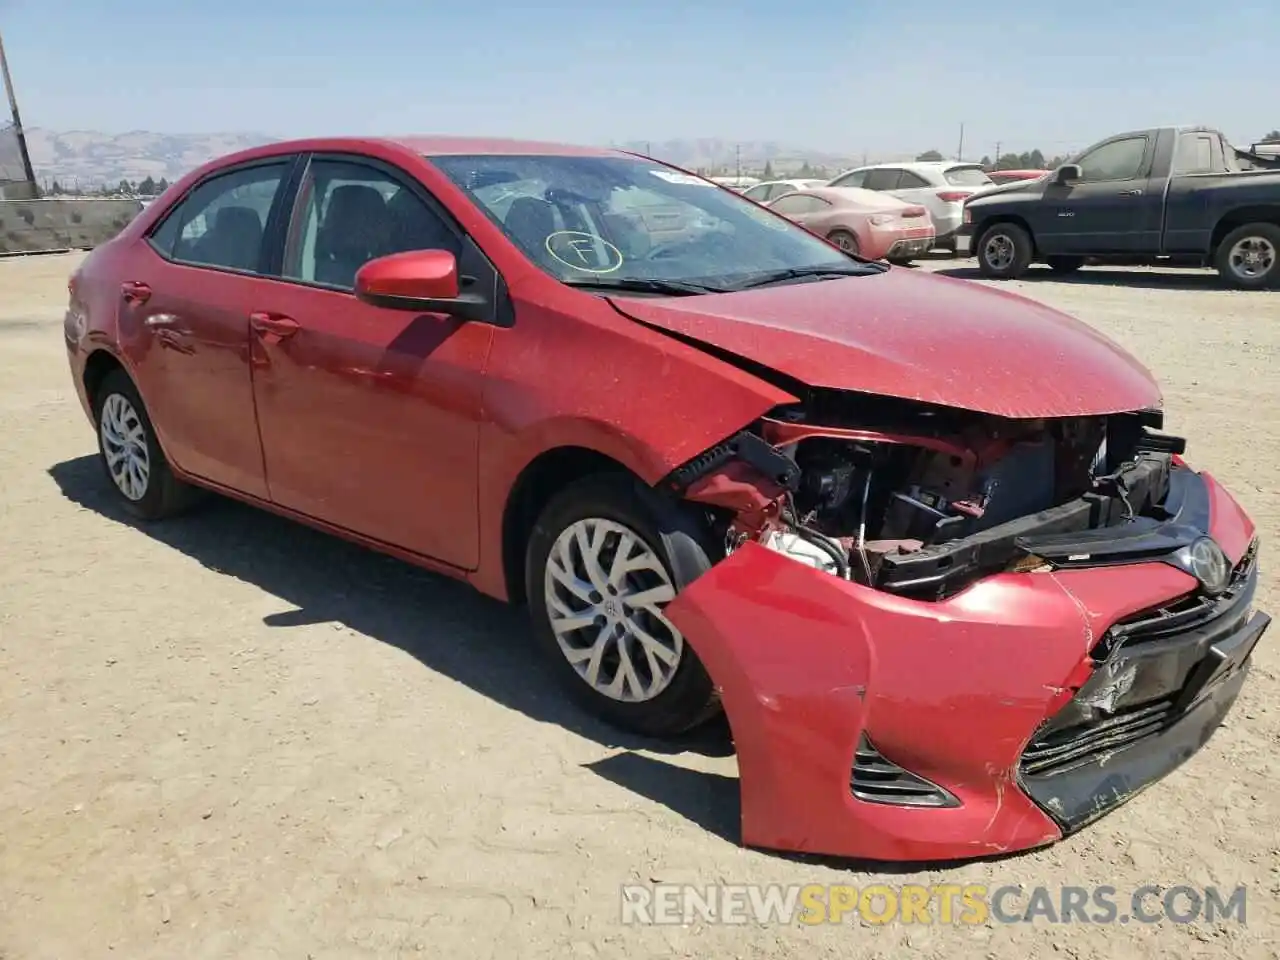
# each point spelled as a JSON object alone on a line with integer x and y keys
{"x": 46, "y": 226}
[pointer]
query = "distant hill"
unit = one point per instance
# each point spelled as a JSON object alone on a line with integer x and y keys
{"x": 93, "y": 158}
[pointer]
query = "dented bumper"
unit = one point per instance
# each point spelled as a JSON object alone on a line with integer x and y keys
{"x": 874, "y": 726}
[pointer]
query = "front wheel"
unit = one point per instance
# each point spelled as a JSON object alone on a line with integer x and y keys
{"x": 605, "y": 557}
{"x": 1004, "y": 251}
{"x": 1249, "y": 257}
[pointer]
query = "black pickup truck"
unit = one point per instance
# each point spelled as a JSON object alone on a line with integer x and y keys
{"x": 1176, "y": 195}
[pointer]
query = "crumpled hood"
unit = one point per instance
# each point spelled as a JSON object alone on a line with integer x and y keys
{"x": 916, "y": 336}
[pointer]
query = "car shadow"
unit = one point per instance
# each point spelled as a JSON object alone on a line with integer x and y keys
{"x": 1116, "y": 277}
{"x": 444, "y": 624}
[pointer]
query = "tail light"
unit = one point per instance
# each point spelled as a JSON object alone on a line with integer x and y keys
{"x": 954, "y": 196}
{"x": 913, "y": 212}
{"x": 880, "y": 219}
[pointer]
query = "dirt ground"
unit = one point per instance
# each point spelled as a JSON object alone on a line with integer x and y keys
{"x": 230, "y": 736}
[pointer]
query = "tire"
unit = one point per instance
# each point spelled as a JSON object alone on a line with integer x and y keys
{"x": 1015, "y": 249}
{"x": 845, "y": 240}
{"x": 148, "y": 489}
{"x": 900, "y": 261}
{"x": 1064, "y": 264}
{"x": 1249, "y": 257}
{"x": 608, "y": 505}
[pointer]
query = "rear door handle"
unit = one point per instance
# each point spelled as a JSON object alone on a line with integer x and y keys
{"x": 273, "y": 327}
{"x": 135, "y": 292}
{"x": 1130, "y": 193}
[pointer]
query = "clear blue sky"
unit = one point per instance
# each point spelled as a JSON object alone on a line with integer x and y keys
{"x": 856, "y": 75}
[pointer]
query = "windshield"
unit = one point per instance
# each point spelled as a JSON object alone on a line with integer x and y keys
{"x": 967, "y": 177}
{"x": 622, "y": 220}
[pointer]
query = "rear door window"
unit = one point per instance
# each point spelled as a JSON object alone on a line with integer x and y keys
{"x": 911, "y": 180}
{"x": 222, "y": 223}
{"x": 883, "y": 179}
{"x": 1195, "y": 154}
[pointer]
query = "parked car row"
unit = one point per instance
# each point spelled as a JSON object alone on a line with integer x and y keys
{"x": 869, "y": 205}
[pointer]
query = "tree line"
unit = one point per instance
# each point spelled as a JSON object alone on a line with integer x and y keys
{"x": 148, "y": 187}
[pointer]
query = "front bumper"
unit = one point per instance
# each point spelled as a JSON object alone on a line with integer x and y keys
{"x": 988, "y": 722}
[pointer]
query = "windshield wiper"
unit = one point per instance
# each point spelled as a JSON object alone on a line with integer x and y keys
{"x": 670, "y": 288}
{"x": 804, "y": 273}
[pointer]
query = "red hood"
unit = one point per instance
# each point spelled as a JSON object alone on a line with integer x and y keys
{"x": 919, "y": 337}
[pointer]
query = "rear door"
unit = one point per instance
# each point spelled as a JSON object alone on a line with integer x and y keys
{"x": 1114, "y": 208}
{"x": 184, "y": 320}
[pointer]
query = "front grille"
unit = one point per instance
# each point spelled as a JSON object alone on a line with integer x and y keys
{"x": 1141, "y": 666}
{"x": 1061, "y": 749}
{"x": 879, "y": 780}
{"x": 1190, "y": 612}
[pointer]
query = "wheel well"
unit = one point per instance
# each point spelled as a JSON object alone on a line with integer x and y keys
{"x": 1238, "y": 218}
{"x": 96, "y": 368}
{"x": 542, "y": 479}
{"x": 986, "y": 225}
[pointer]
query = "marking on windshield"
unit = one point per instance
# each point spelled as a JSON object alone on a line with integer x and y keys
{"x": 584, "y": 251}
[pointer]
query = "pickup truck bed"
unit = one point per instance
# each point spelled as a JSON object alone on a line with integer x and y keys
{"x": 1181, "y": 195}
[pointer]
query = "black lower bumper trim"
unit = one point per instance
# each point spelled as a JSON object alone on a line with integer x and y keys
{"x": 1083, "y": 792}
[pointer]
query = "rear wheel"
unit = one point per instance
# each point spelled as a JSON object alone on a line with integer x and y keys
{"x": 845, "y": 240}
{"x": 1004, "y": 251}
{"x": 1249, "y": 256}
{"x": 130, "y": 454}
{"x": 604, "y": 559}
{"x": 1064, "y": 264}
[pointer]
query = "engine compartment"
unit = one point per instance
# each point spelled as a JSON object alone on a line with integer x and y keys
{"x": 919, "y": 500}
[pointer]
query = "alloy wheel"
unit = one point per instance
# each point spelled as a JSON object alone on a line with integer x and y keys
{"x": 999, "y": 252}
{"x": 124, "y": 446}
{"x": 605, "y": 588}
{"x": 1252, "y": 258}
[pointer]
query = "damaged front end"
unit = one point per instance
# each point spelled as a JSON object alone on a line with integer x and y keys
{"x": 1009, "y": 627}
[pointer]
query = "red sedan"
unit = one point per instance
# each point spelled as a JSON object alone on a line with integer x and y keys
{"x": 922, "y": 541}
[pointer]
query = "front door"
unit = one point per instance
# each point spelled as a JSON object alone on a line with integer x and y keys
{"x": 184, "y": 321}
{"x": 369, "y": 416}
{"x": 1111, "y": 209}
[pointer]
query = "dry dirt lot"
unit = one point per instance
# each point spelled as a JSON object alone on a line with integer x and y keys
{"x": 229, "y": 736}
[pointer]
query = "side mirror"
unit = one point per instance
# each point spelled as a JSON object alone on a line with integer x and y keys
{"x": 424, "y": 281}
{"x": 1068, "y": 173}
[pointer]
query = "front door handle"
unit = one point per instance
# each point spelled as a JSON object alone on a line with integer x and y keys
{"x": 135, "y": 292}
{"x": 1130, "y": 193}
{"x": 273, "y": 327}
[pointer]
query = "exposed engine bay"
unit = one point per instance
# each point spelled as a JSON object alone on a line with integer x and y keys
{"x": 917, "y": 499}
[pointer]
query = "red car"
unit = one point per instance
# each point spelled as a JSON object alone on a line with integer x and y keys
{"x": 922, "y": 541}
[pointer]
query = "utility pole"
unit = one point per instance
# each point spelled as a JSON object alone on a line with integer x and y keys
{"x": 17, "y": 120}
{"x": 960, "y": 149}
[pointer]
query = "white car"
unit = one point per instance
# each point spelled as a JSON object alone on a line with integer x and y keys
{"x": 771, "y": 190}
{"x": 941, "y": 187}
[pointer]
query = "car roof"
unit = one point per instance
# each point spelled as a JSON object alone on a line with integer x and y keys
{"x": 920, "y": 165}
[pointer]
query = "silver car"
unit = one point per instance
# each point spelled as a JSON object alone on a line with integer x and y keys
{"x": 941, "y": 187}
